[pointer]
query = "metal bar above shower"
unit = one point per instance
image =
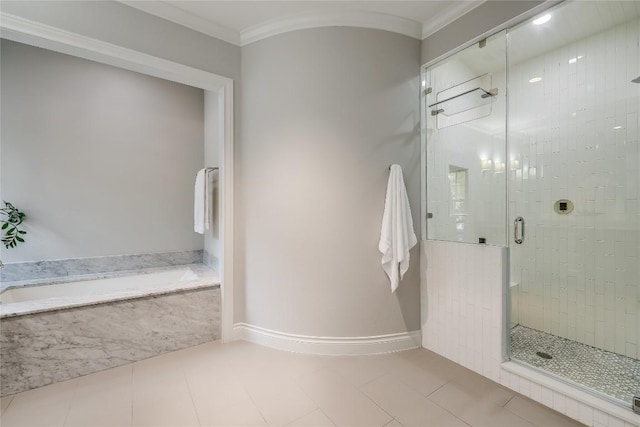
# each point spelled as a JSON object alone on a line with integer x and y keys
{"x": 485, "y": 94}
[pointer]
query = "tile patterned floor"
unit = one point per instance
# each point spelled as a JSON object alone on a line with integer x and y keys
{"x": 610, "y": 373}
{"x": 243, "y": 384}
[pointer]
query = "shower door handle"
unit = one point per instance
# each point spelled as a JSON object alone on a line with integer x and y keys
{"x": 518, "y": 230}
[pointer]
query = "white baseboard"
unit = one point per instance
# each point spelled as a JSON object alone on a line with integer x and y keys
{"x": 335, "y": 346}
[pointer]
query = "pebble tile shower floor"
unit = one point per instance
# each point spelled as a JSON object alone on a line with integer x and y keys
{"x": 243, "y": 384}
{"x": 610, "y": 373}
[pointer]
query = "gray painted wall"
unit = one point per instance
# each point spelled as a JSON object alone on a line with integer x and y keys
{"x": 101, "y": 159}
{"x": 479, "y": 21}
{"x": 116, "y": 23}
{"x": 325, "y": 112}
{"x": 328, "y": 110}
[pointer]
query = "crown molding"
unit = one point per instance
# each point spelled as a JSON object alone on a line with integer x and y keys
{"x": 362, "y": 19}
{"x": 186, "y": 19}
{"x": 445, "y": 18}
{"x": 307, "y": 20}
{"x": 37, "y": 34}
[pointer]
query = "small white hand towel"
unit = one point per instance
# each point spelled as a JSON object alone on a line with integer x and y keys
{"x": 201, "y": 212}
{"x": 396, "y": 235}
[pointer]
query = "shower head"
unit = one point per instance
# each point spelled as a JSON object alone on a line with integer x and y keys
{"x": 636, "y": 80}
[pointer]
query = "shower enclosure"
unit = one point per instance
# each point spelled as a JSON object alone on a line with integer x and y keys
{"x": 532, "y": 142}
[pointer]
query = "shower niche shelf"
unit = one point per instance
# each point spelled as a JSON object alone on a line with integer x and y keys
{"x": 464, "y": 102}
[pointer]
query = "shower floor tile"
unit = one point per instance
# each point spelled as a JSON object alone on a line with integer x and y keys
{"x": 609, "y": 373}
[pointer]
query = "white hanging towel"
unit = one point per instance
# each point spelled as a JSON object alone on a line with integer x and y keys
{"x": 201, "y": 211}
{"x": 396, "y": 236}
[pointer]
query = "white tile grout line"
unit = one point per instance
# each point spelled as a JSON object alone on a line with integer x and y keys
{"x": 443, "y": 408}
{"x": 8, "y": 404}
{"x": 510, "y": 399}
{"x": 295, "y": 380}
{"x": 254, "y": 402}
{"x": 131, "y": 412}
{"x": 325, "y": 414}
{"x": 193, "y": 403}
{"x": 73, "y": 396}
{"x": 375, "y": 403}
{"x": 317, "y": 408}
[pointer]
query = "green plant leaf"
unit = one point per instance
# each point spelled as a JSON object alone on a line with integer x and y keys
{"x": 12, "y": 234}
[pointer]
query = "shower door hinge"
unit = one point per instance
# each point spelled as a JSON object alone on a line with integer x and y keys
{"x": 482, "y": 43}
{"x": 428, "y": 90}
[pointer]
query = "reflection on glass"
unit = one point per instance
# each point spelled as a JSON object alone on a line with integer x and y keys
{"x": 465, "y": 135}
{"x": 464, "y": 102}
{"x": 458, "y": 187}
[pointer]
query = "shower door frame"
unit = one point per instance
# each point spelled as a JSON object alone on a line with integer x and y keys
{"x": 218, "y": 89}
{"x": 582, "y": 394}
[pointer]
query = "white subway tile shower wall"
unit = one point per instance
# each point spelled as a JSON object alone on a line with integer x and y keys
{"x": 578, "y": 275}
{"x": 463, "y": 301}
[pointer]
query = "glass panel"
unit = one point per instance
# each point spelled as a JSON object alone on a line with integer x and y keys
{"x": 465, "y": 135}
{"x": 464, "y": 102}
{"x": 573, "y": 176}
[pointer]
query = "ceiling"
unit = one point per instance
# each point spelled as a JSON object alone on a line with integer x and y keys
{"x": 242, "y": 22}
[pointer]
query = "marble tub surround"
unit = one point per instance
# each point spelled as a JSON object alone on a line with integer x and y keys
{"x": 85, "y": 290}
{"x": 45, "y": 348}
{"x": 210, "y": 260}
{"x": 51, "y": 269}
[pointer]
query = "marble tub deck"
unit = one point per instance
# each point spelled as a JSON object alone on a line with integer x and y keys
{"x": 204, "y": 278}
{"x": 53, "y": 346}
{"x": 64, "y": 268}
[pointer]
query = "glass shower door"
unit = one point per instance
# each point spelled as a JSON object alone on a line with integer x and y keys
{"x": 465, "y": 107}
{"x": 573, "y": 179}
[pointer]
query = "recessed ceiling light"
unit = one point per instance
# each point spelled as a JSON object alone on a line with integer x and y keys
{"x": 542, "y": 19}
{"x": 535, "y": 80}
{"x": 617, "y": 127}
